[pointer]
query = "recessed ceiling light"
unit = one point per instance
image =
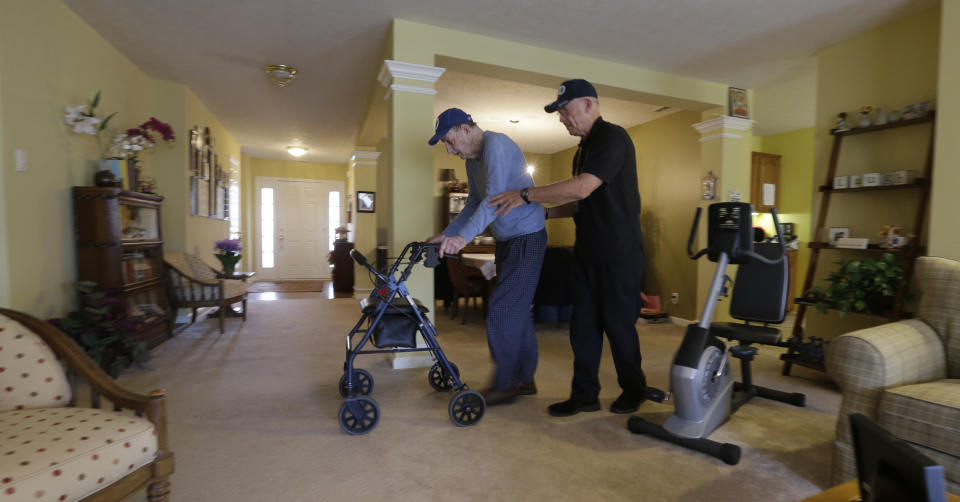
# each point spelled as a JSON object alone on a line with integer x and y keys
{"x": 296, "y": 151}
{"x": 280, "y": 74}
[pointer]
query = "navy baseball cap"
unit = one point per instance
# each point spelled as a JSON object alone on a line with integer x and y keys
{"x": 450, "y": 118}
{"x": 570, "y": 90}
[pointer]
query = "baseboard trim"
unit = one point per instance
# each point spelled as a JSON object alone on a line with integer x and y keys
{"x": 406, "y": 360}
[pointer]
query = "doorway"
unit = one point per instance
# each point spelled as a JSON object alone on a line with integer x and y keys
{"x": 296, "y": 222}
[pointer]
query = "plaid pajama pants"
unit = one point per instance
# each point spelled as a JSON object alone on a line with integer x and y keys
{"x": 510, "y": 335}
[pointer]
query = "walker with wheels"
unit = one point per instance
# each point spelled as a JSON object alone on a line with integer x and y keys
{"x": 391, "y": 319}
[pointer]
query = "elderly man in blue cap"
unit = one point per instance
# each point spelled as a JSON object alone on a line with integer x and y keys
{"x": 604, "y": 200}
{"x": 495, "y": 164}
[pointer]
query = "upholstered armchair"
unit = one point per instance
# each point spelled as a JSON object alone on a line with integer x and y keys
{"x": 905, "y": 375}
{"x": 61, "y": 449}
{"x": 194, "y": 284}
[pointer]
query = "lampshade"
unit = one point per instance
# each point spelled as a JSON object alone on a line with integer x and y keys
{"x": 448, "y": 175}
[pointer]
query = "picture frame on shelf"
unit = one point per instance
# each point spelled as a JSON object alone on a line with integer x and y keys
{"x": 835, "y": 233}
{"x": 366, "y": 202}
{"x": 737, "y": 103}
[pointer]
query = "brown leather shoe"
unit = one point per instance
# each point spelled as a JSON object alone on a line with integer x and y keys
{"x": 527, "y": 389}
{"x": 499, "y": 396}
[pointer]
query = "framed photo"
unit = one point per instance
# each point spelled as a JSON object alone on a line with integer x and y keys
{"x": 366, "y": 202}
{"x": 835, "y": 233}
{"x": 737, "y": 99}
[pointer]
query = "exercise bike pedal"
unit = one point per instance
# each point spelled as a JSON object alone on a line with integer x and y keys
{"x": 656, "y": 395}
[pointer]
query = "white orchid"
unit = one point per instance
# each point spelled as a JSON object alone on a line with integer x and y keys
{"x": 127, "y": 146}
{"x": 82, "y": 121}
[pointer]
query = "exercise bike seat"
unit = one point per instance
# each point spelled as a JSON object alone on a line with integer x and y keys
{"x": 759, "y": 296}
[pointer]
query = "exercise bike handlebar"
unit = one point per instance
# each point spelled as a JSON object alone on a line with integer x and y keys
{"x": 751, "y": 254}
{"x": 783, "y": 248}
{"x": 693, "y": 236}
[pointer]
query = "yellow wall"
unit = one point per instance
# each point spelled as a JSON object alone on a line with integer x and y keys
{"x": 59, "y": 61}
{"x": 795, "y": 191}
{"x": 945, "y": 205}
{"x": 254, "y": 167}
{"x": 893, "y": 65}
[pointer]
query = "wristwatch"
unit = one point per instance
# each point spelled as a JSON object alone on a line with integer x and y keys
{"x": 525, "y": 195}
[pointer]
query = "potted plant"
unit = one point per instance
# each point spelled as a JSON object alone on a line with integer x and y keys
{"x": 867, "y": 286}
{"x": 103, "y": 329}
{"x": 228, "y": 252}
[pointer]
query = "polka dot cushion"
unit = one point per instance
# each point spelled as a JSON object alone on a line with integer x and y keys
{"x": 64, "y": 454}
{"x": 30, "y": 374}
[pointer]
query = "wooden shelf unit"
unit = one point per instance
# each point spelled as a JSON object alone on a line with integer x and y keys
{"x": 120, "y": 247}
{"x": 909, "y": 252}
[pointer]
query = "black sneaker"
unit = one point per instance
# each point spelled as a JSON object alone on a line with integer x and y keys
{"x": 626, "y": 403}
{"x": 572, "y": 407}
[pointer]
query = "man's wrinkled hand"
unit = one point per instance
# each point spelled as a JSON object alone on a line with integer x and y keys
{"x": 506, "y": 201}
{"x": 435, "y": 238}
{"x": 452, "y": 245}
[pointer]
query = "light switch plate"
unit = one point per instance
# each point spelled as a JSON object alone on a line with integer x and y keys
{"x": 21, "y": 160}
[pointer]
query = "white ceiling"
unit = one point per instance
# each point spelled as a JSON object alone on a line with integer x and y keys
{"x": 219, "y": 47}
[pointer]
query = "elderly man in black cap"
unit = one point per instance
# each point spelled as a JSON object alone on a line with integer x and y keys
{"x": 604, "y": 200}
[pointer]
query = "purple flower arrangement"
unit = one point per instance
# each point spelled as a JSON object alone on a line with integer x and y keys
{"x": 227, "y": 246}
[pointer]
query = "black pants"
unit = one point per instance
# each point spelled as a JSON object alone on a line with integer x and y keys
{"x": 606, "y": 300}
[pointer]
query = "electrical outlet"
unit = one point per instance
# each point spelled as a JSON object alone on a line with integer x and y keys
{"x": 675, "y": 298}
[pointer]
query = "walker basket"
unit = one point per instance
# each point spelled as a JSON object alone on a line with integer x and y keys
{"x": 398, "y": 326}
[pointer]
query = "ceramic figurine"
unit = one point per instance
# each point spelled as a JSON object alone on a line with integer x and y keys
{"x": 842, "y": 124}
{"x": 865, "y": 116}
{"x": 881, "y": 117}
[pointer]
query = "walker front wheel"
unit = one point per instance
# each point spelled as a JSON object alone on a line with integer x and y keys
{"x": 359, "y": 415}
{"x": 362, "y": 383}
{"x": 467, "y": 407}
{"x": 439, "y": 379}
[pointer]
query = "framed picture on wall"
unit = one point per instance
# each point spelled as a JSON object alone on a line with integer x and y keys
{"x": 738, "y": 103}
{"x": 366, "y": 202}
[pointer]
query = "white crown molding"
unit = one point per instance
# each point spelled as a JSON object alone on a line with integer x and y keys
{"x": 408, "y": 88}
{"x": 398, "y": 69}
{"x": 726, "y": 135}
{"x": 365, "y": 157}
{"x": 723, "y": 122}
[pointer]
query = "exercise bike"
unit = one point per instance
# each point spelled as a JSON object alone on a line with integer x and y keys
{"x": 703, "y": 391}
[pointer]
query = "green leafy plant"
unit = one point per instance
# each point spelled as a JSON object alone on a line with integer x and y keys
{"x": 103, "y": 329}
{"x": 866, "y": 285}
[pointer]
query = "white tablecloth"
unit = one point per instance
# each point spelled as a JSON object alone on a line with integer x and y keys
{"x": 482, "y": 261}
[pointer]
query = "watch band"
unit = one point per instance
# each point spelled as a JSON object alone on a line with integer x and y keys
{"x": 525, "y": 195}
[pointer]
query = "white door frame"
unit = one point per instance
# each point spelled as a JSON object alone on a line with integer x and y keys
{"x": 270, "y": 182}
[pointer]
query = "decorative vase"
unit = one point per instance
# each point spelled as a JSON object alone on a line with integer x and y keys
{"x": 110, "y": 173}
{"x": 229, "y": 262}
{"x": 864, "y": 120}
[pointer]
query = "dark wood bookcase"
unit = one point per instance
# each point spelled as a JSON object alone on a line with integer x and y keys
{"x": 120, "y": 247}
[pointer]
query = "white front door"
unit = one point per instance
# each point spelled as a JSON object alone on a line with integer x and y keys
{"x": 301, "y": 233}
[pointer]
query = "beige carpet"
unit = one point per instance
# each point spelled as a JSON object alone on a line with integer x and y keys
{"x": 287, "y": 286}
{"x": 252, "y": 416}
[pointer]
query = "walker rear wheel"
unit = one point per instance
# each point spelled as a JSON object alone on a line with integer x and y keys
{"x": 438, "y": 378}
{"x": 362, "y": 383}
{"x": 467, "y": 407}
{"x": 359, "y": 415}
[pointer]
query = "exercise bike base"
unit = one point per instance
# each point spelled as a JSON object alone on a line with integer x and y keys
{"x": 728, "y": 453}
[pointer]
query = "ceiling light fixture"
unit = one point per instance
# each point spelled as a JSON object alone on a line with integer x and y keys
{"x": 280, "y": 74}
{"x": 296, "y": 151}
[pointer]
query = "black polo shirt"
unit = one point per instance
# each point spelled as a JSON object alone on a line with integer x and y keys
{"x": 608, "y": 220}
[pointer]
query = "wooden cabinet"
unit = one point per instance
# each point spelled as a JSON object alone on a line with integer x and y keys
{"x": 452, "y": 204}
{"x": 120, "y": 247}
{"x": 764, "y": 181}
{"x": 342, "y": 266}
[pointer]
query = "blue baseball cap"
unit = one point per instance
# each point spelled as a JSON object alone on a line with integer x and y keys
{"x": 570, "y": 90}
{"x": 450, "y": 118}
